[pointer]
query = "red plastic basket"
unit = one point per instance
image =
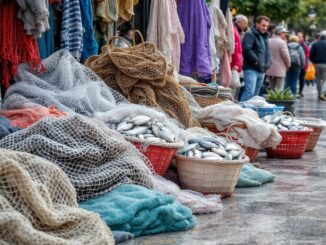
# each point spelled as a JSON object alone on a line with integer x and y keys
{"x": 292, "y": 146}
{"x": 252, "y": 153}
{"x": 160, "y": 157}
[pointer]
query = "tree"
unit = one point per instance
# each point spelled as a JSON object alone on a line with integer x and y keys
{"x": 277, "y": 10}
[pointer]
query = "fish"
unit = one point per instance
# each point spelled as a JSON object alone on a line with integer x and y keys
{"x": 167, "y": 135}
{"x": 149, "y": 135}
{"x": 155, "y": 139}
{"x": 232, "y": 146}
{"x": 141, "y": 136}
{"x": 286, "y": 123}
{"x": 126, "y": 119}
{"x": 210, "y": 154}
{"x": 124, "y": 126}
{"x": 214, "y": 158}
{"x": 140, "y": 120}
{"x": 156, "y": 130}
{"x": 137, "y": 130}
{"x": 190, "y": 153}
{"x": 220, "y": 151}
{"x": 207, "y": 144}
{"x": 198, "y": 154}
{"x": 228, "y": 157}
{"x": 189, "y": 147}
{"x": 235, "y": 153}
{"x": 220, "y": 141}
{"x": 194, "y": 141}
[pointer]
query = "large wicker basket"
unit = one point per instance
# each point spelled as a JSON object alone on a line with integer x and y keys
{"x": 207, "y": 176}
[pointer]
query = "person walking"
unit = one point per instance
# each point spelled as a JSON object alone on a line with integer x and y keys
{"x": 280, "y": 59}
{"x": 303, "y": 71}
{"x": 318, "y": 57}
{"x": 256, "y": 57}
{"x": 298, "y": 60}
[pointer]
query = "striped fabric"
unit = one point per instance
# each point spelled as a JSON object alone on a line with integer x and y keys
{"x": 72, "y": 28}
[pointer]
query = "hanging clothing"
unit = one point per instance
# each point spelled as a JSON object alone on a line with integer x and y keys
{"x": 35, "y": 16}
{"x": 72, "y": 28}
{"x": 46, "y": 42}
{"x": 237, "y": 55}
{"x": 230, "y": 31}
{"x": 213, "y": 36}
{"x": 165, "y": 30}
{"x": 195, "y": 52}
{"x": 15, "y": 45}
{"x": 90, "y": 46}
{"x": 126, "y": 9}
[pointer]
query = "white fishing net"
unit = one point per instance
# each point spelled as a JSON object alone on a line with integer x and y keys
{"x": 193, "y": 104}
{"x": 95, "y": 158}
{"x": 67, "y": 84}
{"x": 197, "y": 202}
{"x": 38, "y": 205}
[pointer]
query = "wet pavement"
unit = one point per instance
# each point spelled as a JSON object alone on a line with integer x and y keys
{"x": 291, "y": 210}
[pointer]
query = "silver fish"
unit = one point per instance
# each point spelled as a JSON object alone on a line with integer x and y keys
{"x": 126, "y": 119}
{"x": 214, "y": 158}
{"x": 123, "y": 126}
{"x": 219, "y": 151}
{"x": 149, "y": 131}
{"x": 148, "y": 135}
{"x": 188, "y": 148}
{"x": 141, "y": 136}
{"x": 276, "y": 120}
{"x": 194, "y": 141}
{"x": 220, "y": 141}
{"x": 286, "y": 123}
{"x": 207, "y": 144}
{"x": 140, "y": 120}
{"x": 167, "y": 135}
{"x": 190, "y": 153}
{"x": 198, "y": 154}
{"x": 156, "y": 130}
{"x": 235, "y": 153}
{"x": 137, "y": 130}
{"x": 155, "y": 139}
{"x": 210, "y": 154}
{"x": 228, "y": 157}
{"x": 232, "y": 146}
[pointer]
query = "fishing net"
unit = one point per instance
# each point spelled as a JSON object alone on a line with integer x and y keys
{"x": 67, "y": 84}
{"x": 142, "y": 75}
{"x": 38, "y": 205}
{"x": 95, "y": 158}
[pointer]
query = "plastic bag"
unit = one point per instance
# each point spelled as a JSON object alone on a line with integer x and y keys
{"x": 311, "y": 73}
{"x": 235, "y": 79}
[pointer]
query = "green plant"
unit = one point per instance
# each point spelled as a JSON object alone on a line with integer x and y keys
{"x": 279, "y": 95}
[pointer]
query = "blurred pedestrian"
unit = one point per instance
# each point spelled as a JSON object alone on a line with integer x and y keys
{"x": 305, "y": 47}
{"x": 256, "y": 57}
{"x": 318, "y": 57}
{"x": 280, "y": 59}
{"x": 298, "y": 60}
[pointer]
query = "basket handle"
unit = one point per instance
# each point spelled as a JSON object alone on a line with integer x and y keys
{"x": 230, "y": 137}
{"x": 141, "y": 38}
{"x": 110, "y": 42}
{"x": 288, "y": 113}
{"x": 233, "y": 125}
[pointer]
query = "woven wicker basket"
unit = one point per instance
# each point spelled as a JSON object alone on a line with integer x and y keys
{"x": 313, "y": 138}
{"x": 207, "y": 176}
{"x": 208, "y": 100}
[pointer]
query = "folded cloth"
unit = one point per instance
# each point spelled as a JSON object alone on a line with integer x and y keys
{"x": 251, "y": 176}
{"x": 23, "y": 118}
{"x": 141, "y": 211}
{"x": 95, "y": 158}
{"x": 257, "y": 133}
{"x": 6, "y": 127}
{"x": 38, "y": 205}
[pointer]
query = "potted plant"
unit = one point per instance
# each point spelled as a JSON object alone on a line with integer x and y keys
{"x": 282, "y": 98}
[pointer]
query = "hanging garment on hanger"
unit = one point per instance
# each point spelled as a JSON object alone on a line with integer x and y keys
{"x": 126, "y": 9}
{"x": 229, "y": 31}
{"x": 35, "y": 15}
{"x": 72, "y": 28}
{"x": 15, "y": 45}
{"x": 213, "y": 36}
{"x": 90, "y": 46}
{"x": 195, "y": 52}
{"x": 165, "y": 30}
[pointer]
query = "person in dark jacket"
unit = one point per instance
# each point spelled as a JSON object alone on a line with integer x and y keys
{"x": 256, "y": 57}
{"x": 318, "y": 57}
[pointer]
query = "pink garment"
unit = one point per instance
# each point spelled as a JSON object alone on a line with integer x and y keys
{"x": 307, "y": 54}
{"x": 280, "y": 57}
{"x": 237, "y": 55}
{"x": 23, "y": 118}
{"x": 165, "y": 30}
{"x": 226, "y": 75}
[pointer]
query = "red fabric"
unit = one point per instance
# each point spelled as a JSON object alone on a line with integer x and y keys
{"x": 237, "y": 55}
{"x": 15, "y": 46}
{"x": 307, "y": 53}
{"x": 23, "y": 118}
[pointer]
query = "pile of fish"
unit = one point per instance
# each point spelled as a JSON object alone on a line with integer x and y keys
{"x": 213, "y": 148}
{"x": 283, "y": 122}
{"x": 144, "y": 128}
